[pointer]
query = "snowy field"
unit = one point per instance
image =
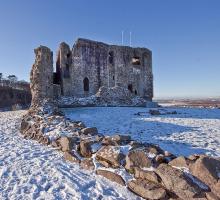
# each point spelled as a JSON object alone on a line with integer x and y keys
{"x": 191, "y": 130}
{"x": 29, "y": 170}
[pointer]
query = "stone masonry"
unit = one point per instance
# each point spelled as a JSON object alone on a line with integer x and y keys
{"x": 80, "y": 72}
{"x": 42, "y": 76}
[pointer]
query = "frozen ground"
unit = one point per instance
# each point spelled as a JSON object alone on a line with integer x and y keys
{"x": 190, "y": 131}
{"x": 29, "y": 170}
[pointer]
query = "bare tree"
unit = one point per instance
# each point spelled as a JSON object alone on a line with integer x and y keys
{"x": 12, "y": 78}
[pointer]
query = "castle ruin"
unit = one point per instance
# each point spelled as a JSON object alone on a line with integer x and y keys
{"x": 91, "y": 65}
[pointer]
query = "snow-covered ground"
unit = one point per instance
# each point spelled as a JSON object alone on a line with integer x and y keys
{"x": 191, "y": 130}
{"x": 29, "y": 170}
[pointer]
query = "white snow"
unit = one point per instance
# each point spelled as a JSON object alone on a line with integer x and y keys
{"x": 191, "y": 130}
{"x": 29, "y": 170}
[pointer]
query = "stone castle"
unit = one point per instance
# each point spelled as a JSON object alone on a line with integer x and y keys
{"x": 89, "y": 66}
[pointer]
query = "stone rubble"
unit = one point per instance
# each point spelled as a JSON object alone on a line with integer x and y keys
{"x": 157, "y": 174}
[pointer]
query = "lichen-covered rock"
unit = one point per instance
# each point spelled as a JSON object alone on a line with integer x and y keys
{"x": 176, "y": 181}
{"x": 111, "y": 176}
{"x": 147, "y": 189}
{"x": 137, "y": 158}
{"x": 111, "y": 155}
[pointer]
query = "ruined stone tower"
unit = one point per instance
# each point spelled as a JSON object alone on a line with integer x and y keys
{"x": 42, "y": 76}
{"x": 80, "y": 72}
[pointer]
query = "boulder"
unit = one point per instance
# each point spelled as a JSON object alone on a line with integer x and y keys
{"x": 147, "y": 175}
{"x": 81, "y": 124}
{"x": 111, "y": 176}
{"x": 207, "y": 170}
{"x": 87, "y": 164}
{"x": 104, "y": 163}
{"x": 65, "y": 143}
{"x": 216, "y": 188}
{"x": 211, "y": 196}
{"x": 25, "y": 125}
{"x": 180, "y": 161}
{"x": 193, "y": 157}
{"x": 85, "y": 148}
{"x": 71, "y": 157}
{"x": 154, "y": 112}
{"x": 116, "y": 140}
{"x": 137, "y": 158}
{"x": 160, "y": 159}
{"x": 177, "y": 182}
{"x": 111, "y": 155}
{"x": 153, "y": 149}
{"x": 147, "y": 189}
{"x": 90, "y": 130}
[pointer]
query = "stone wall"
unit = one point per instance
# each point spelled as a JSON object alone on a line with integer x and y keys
{"x": 42, "y": 76}
{"x": 91, "y": 65}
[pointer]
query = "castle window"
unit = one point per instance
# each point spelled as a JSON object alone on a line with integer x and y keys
{"x": 113, "y": 78}
{"x": 111, "y": 57}
{"x": 67, "y": 71}
{"x": 130, "y": 88}
{"x": 86, "y": 84}
{"x": 135, "y": 92}
{"x": 136, "y": 60}
{"x": 68, "y": 55}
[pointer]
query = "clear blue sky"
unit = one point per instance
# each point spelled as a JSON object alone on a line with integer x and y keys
{"x": 184, "y": 36}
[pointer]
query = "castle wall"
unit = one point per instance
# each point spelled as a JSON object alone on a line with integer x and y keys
{"x": 95, "y": 64}
{"x": 42, "y": 75}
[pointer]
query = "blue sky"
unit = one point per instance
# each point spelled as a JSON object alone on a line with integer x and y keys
{"x": 184, "y": 36}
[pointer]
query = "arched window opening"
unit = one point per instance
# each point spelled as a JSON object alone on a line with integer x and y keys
{"x": 113, "y": 78}
{"x": 136, "y": 60}
{"x": 135, "y": 92}
{"x": 111, "y": 57}
{"x": 86, "y": 84}
{"x": 68, "y": 55}
{"x": 130, "y": 88}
